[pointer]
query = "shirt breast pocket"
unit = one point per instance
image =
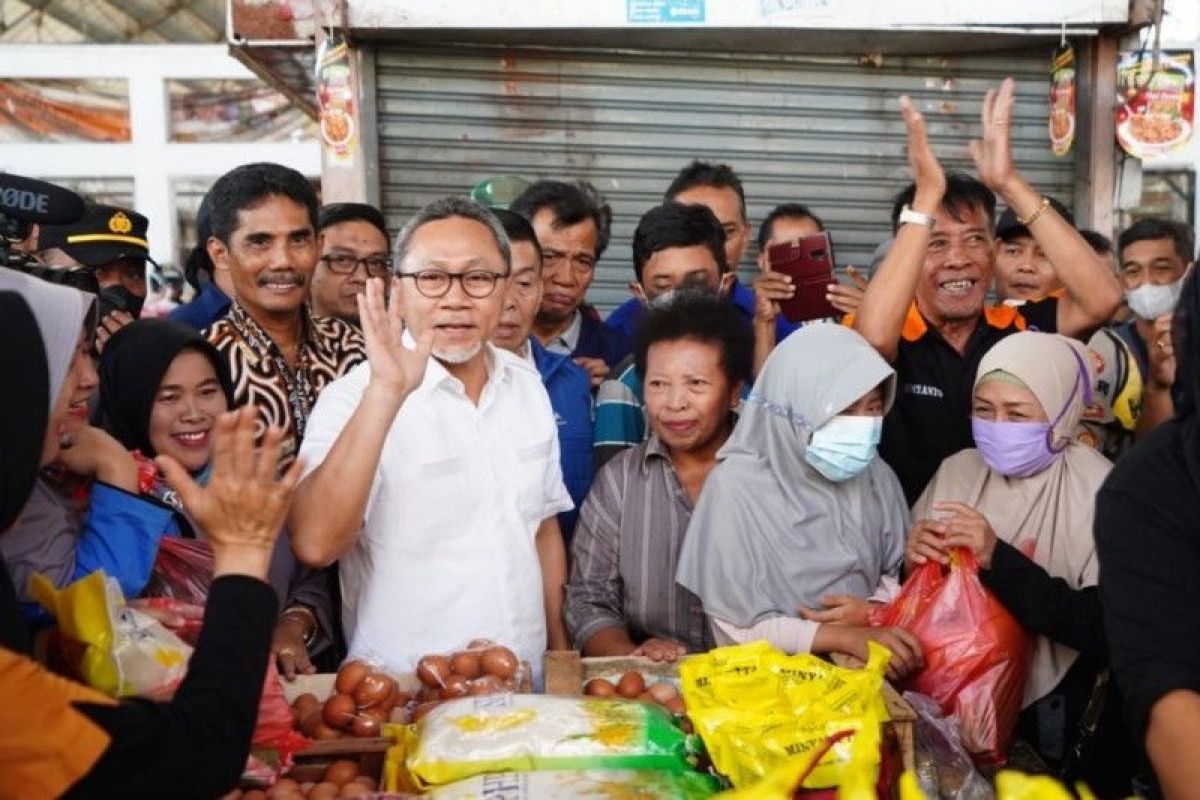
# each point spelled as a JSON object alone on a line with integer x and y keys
{"x": 430, "y": 494}
{"x": 533, "y": 461}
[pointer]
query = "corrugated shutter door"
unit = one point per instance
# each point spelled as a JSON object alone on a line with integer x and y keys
{"x": 822, "y": 131}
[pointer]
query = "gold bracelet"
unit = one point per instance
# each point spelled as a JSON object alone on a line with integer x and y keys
{"x": 306, "y": 618}
{"x": 1032, "y": 218}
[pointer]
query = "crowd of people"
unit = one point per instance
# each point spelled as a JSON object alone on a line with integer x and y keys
{"x": 395, "y": 444}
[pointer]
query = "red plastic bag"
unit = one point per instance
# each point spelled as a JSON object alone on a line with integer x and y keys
{"x": 182, "y": 569}
{"x": 976, "y": 654}
{"x": 273, "y": 728}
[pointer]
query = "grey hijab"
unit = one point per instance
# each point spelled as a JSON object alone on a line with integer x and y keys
{"x": 770, "y": 534}
{"x": 61, "y": 313}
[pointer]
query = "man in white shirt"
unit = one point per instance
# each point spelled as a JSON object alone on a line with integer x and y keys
{"x": 436, "y": 481}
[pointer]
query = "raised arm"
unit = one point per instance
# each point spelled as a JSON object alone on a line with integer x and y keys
{"x": 1093, "y": 292}
{"x": 327, "y": 513}
{"x": 888, "y": 296}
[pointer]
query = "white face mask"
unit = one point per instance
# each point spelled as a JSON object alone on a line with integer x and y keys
{"x": 1151, "y": 300}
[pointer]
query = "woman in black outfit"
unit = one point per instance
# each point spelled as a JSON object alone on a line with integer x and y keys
{"x": 1148, "y": 540}
{"x": 78, "y": 743}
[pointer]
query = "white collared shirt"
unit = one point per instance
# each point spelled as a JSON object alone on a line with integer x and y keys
{"x": 447, "y": 551}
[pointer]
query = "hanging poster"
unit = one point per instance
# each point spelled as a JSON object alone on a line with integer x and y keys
{"x": 335, "y": 99}
{"x": 1062, "y": 100}
{"x": 1158, "y": 108}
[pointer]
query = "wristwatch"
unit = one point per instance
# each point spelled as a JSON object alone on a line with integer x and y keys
{"x": 915, "y": 217}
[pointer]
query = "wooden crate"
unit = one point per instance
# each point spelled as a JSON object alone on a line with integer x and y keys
{"x": 567, "y": 671}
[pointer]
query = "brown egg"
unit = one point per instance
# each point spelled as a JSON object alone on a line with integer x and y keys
{"x": 338, "y": 711}
{"x": 598, "y": 687}
{"x": 433, "y": 671}
{"x": 307, "y": 786}
{"x": 353, "y": 789}
{"x": 286, "y": 783}
{"x": 499, "y": 661}
{"x": 306, "y": 702}
{"x": 675, "y": 705}
{"x": 631, "y": 685}
{"x": 420, "y": 711}
{"x": 479, "y": 644}
{"x": 324, "y": 732}
{"x": 662, "y": 692}
{"x": 254, "y": 794}
{"x": 311, "y": 721}
{"x": 372, "y": 690}
{"x": 366, "y": 723}
{"x": 456, "y": 686}
{"x": 349, "y": 676}
{"x": 466, "y": 664}
{"x": 488, "y": 684}
{"x": 341, "y": 772}
{"x": 367, "y": 781}
{"x": 324, "y": 791}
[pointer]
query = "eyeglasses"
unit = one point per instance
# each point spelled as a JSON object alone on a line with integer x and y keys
{"x": 435, "y": 283}
{"x": 346, "y": 264}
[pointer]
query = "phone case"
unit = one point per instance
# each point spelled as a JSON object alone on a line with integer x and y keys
{"x": 809, "y": 261}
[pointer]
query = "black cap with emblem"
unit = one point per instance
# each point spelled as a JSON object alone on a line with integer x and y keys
{"x": 104, "y": 234}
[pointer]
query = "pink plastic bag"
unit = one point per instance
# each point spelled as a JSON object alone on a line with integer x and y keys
{"x": 976, "y": 654}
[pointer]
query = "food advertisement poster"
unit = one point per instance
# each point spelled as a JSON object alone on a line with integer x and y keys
{"x": 1062, "y": 100}
{"x": 1158, "y": 109}
{"x": 335, "y": 99}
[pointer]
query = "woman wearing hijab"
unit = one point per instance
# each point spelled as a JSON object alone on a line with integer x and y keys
{"x": 162, "y": 388}
{"x": 1023, "y": 501}
{"x": 55, "y": 534}
{"x": 800, "y": 513}
{"x": 64, "y": 739}
{"x": 1148, "y": 541}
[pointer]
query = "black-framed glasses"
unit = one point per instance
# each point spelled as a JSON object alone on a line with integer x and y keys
{"x": 435, "y": 283}
{"x": 346, "y": 264}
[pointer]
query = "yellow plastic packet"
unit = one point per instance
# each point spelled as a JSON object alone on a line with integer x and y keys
{"x": 125, "y": 652}
{"x": 756, "y": 708}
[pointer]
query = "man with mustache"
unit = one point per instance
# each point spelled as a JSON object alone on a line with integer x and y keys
{"x": 263, "y": 236}
{"x": 435, "y": 481}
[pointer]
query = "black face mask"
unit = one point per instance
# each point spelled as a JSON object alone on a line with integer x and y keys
{"x": 118, "y": 298}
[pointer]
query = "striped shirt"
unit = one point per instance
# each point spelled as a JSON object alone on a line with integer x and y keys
{"x": 625, "y": 551}
{"x": 620, "y": 412}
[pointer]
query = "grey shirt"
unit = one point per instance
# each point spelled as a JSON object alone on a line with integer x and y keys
{"x": 625, "y": 552}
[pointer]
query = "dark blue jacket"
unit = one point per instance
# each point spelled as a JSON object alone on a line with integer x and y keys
{"x": 598, "y": 339}
{"x": 570, "y": 391}
{"x": 204, "y": 309}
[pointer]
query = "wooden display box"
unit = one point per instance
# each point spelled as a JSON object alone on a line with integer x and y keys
{"x": 567, "y": 671}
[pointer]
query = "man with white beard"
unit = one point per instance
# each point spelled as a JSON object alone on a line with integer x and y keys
{"x": 436, "y": 481}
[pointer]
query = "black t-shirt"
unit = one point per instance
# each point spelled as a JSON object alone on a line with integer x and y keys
{"x": 931, "y": 418}
{"x": 1148, "y": 545}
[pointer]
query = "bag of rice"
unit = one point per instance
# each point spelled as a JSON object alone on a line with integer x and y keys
{"x": 523, "y": 733}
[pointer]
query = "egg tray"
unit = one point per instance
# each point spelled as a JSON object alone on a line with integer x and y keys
{"x": 567, "y": 671}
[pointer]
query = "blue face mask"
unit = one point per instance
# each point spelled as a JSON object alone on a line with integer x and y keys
{"x": 844, "y": 446}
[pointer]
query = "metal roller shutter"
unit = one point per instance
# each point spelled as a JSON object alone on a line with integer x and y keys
{"x": 825, "y": 131}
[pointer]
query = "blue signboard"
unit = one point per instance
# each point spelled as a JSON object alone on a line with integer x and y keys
{"x": 664, "y": 12}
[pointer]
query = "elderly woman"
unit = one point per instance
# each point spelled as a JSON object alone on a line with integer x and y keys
{"x": 1023, "y": 501}
{"x": 800, "y": 514}
{"x": 162, "y": 388}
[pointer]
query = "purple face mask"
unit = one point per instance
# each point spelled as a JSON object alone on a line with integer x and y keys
{"x": 1014, "y": 449}
{"x": 1021, "y": 449}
